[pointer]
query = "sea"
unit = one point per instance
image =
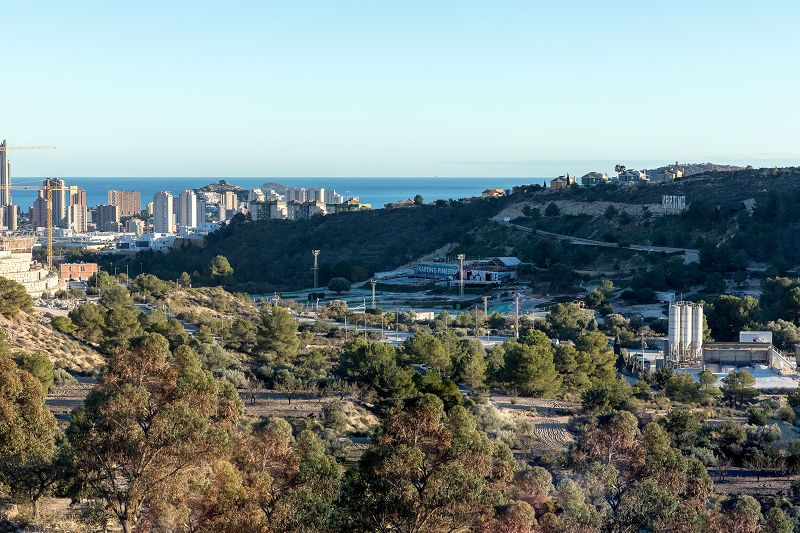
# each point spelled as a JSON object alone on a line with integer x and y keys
{"x": 375, "y": 191}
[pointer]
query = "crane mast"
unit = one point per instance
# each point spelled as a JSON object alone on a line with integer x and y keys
{"x": 49, "y": 197}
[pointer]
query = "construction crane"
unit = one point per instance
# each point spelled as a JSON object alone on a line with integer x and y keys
{"x": 5, "y": 179}
{"x": 49, "y": 195}
{"x": 5, "y": 148}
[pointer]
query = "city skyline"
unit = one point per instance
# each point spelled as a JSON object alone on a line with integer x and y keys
{"x": 356, "y": 89}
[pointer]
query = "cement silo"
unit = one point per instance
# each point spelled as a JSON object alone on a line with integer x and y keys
{"x": 685, "y": 335}
{"x": 685, "y": 340}
{"x": 697, "y": 333}
{"x": 673, "y": 329}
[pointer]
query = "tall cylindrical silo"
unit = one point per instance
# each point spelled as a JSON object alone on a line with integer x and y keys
{"x": 672, "y": 331}
{"x": 686, "y": 329}
{"x": 697, "y": 332}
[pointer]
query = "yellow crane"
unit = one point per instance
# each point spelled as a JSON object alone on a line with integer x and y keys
{"x": 49, "y": 195}
{"x": 5, "y": 148}
{"x": 7, "y": 187}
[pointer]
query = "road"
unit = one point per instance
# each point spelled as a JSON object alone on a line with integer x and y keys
{"x": 690, "y": 255}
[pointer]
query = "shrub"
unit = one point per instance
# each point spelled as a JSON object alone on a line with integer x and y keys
{"x": 333, "y": 415}
{"x": 339, "y": 285}
{"x": 786, "y": 414}
{"x": 63, "y": 324}
{"x": 235, "y": 377}
{"x": 757, "y": 416}
{"x": 62, "y": 377}
{"x": 13, "y": 298}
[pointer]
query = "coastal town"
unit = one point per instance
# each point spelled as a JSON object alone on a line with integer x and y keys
{"x": 400, "y": 267}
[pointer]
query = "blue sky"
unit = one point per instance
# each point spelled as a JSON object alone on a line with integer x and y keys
{"x": 411, "y": 88}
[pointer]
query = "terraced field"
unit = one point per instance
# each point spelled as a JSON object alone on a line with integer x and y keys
{"x": 62, "y": 399}
{"x": 553, "y": 435}
{"x": 549, "y": 419}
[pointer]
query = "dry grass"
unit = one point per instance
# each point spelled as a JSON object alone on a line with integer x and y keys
{"x": 269, "y": 403}
{"x": 215, "y": 302}
{"x": 32, "y": 332}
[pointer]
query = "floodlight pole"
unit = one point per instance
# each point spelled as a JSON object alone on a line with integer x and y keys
{"x": 316, "y": 268}
{"x": 461, "y": 277}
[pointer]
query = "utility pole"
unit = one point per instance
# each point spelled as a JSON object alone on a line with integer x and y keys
{"x": 461, "y": 277}
{"x": 476, "y": 322}
{"x": 373, "y": 281}
{"x": 516, "y": 317}
{"x": 345, "y": 326}
{"x": 316, "y": 268}
{"x": 486, "y": 315}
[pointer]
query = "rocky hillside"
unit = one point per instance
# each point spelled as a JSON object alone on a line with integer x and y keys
{"x": 31, "y": 332}
{"x": 214, "y": 302}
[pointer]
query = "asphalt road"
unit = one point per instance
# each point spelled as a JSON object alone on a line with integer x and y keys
{"x": 690, "y": 255}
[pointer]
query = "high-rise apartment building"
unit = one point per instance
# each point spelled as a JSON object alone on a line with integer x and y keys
{"x": 163, "y": 213}
{"x": 38, "y": 211}
{"x": 201, "y": 211}
{"x": 327, "y": 196}
{"x": 129, "y": 202}
{"x": 107, "y": 218}
{"x": 255, "y": 195}
{"x": 5, "y": 176}
{"x": 77, "y": 211}
{"x": 76, "y": 195}
{"x": 228, "y": 204}
{"x": 8, "y": 211}
{"x": 78, "y": 217}
{"x": 135, "y": 226}
{"x": 60, "y": 201}
{"x": 332, "y": 197}
{"x": 8, "y": 217}
{"x": 187, "y": 209}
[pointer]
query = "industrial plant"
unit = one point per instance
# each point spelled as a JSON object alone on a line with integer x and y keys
{"x": 685, "y": 350}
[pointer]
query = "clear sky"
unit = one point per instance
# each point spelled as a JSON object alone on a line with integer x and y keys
{"x": 380, "y": 88}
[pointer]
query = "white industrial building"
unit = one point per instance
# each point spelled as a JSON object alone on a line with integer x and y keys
{"x": 685, "y": 351}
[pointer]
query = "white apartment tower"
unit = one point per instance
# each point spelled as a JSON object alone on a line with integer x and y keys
{"x": 228, "y": 205}
{"x": 77, "y": 217}
{"x": 187, "y": 209}
{"x": 163, "y": 213}
{"x": 60, "y": 201}
{"x": 8, "y": 211}
{"x": 5, "y": 176}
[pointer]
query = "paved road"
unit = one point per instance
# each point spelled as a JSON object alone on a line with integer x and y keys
{"x": 690, "y": 255}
